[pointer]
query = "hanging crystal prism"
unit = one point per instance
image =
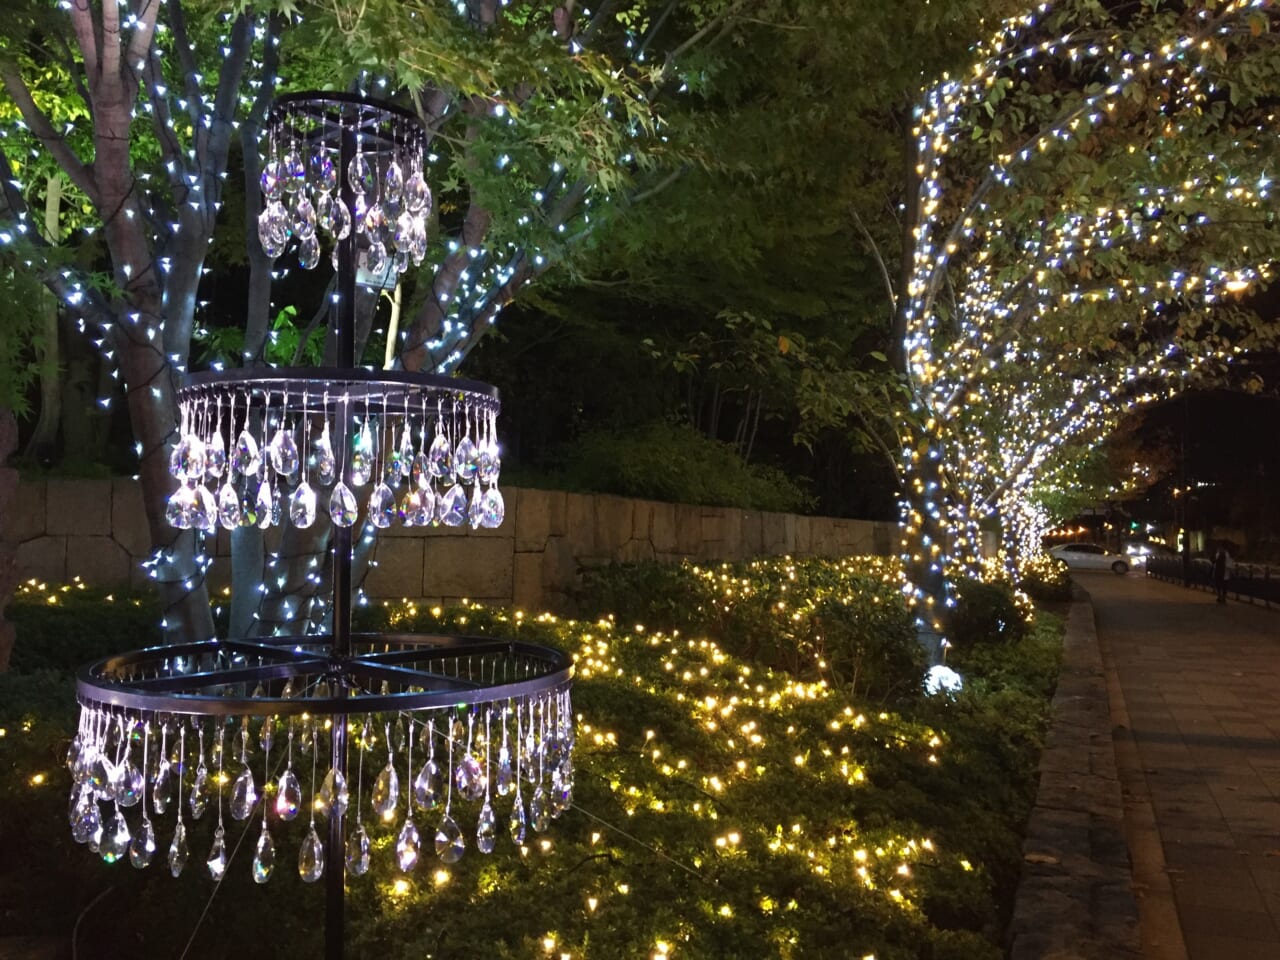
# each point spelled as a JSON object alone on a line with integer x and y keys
{"x": 128, "y": 784}
{"x": 288, "y": 795}
{"x": 244, "y": 795}
{"x": 342, "y": 505}
{"x": 516, "y": 825}
{"x": 245, "y": 459}
{"x": 426, "y": 786}
{"x": 386, "y": 791}
{"x": 505, "y": 778}
{"x": 162, "y": 788}
{"x": 408, "y": 846}
{"x": 200, "y": 794}
{"x": 360, "y": 175}
{"x": 86, "y": 821}
{"x": 263, "y": 504}
{"x": 228, "y": 507}
{"x": 362, "y": 457}
{"x": 272, "y": 180}
{"x": 493, "y": 509}
{"x": 217, "y": 859}
{"x": 475, "y": 509}
{"x": 469, "y": 778}
{"x": 264, "y": 857}
{"x": 178, "y": 851}
{"x": 216, "y": 457}
{"x": 283, "y": 453}
{"x": 382, "y": 506}
{"x": 538, "y": 809}
{"x": 486, "y": 829}
{"x": 333, "y": 794}
{"x": 450, "y": 844}
{"x": 452, "y": 507}
{"x": 325, "y": 463}
{"x": 440, "y": 457}
{"x": 311, "y": 857}
{"x": 302, "y": 506}
{"x": 358, "y": 847}
{"x": 309, "y": 252}
{"x": 142, "y": 847}
{"x": 115, "y": 839}
{"x": 466, "y": 460}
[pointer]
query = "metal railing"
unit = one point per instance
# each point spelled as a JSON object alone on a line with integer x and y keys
{"x": 1247, "y": 582}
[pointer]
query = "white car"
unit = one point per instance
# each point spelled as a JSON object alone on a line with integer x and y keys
{"x": 1090, "y": 556}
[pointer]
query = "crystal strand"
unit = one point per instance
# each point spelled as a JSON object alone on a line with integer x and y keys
{"x": 217, "y": 859}
{"x": 516, "y": 825}
{"x": 408, "y": 842}
{"x": 264, "y": 855}
{"x": 450, "y": 844}
{"x": 178, "y": 851}
{"x": 358, "y": 845}
{"x": 143, "y": 846}
{"x": 486, "y": 830}
{"x": 311, "y": 853}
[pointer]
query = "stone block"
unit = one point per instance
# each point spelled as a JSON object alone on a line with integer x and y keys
{"x": 9, "y": 482}
{"x": 789, "y": 533}
{"x": 885, "y": 539}
{"x": 474, "y": 568}
{"x": 712, "y": 524}
{"x": 662, "y": 530}
{"x": 804, "y": 537}
{"x": 642, "y": 519}
{"x": 580, "y": 523}
{"x": 752, "y": 527}
{"x": 98, "y": 561}
{"x": 773, "y": 534}
{"x": 129, "y": 518}
{"x": 44, "y": 558}
{"x": 614, "y": 518}
{"x": 526, "y": 582}
{"x": 635, "y": 551}
{"x": 399, "y": 569}
{"x": 26, "y": 521}
{"x": 539, "y": 514}
{"x": 731, "y": 541}
{"x": 559, "y": 566}
{"x": 689, "y": 540}
{"x": 80, "y": 507}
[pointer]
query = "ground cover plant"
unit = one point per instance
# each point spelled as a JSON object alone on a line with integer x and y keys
{"x": 734, "y": 797}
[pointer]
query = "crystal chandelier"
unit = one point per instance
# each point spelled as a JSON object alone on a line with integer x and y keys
{"x": 321, "y": 743}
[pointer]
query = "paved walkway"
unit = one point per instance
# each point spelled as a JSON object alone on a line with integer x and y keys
{"x": 1195, "y": 697}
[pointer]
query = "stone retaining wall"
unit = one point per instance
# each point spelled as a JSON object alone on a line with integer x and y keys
{"x": 96, "y": 529}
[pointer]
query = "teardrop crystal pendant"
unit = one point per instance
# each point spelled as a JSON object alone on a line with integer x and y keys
{"x": 215, "y": 457}
{"x": 272, "y": 180}
{"x": 382, "y": 506}
{"x": 393, "y": 183}
{"x": 267, "y": 732}
{"x": 86, "y": 820}
{"x": 469, "y": 778}
{"x": 362, "y": 457}
{"x": 386, "y": 792}
{"x": 333, "y": 794}
{"x": 302, "y": 506}
{"x": 162, "y": 788}
{"x": 272, "y": 245}
{"x": 538, "y": 810}
{"x": 115, "y": 839}
{"x": 206, "y": 517}
{"x": 324, "y": 174}
{"x": 180, "y": 508}
{"x": 244, "y": 795}
{"x": 516, "y": 825}
{"x": 452, "y": 508}
{"x": 245, "y": 459}
{"x": 408, "y": 846}
{"x": 283, "y": 452}
{"x": 263, "y": 504}
{"x": 128, "y": 784}
{"x": 309, "y": 252}
{"x": 475, "y": 509}
{"x": 73, "y": 753}
{"x": 506, "y": 779}
{"x": 217, "y": 859}
{"x": 493, "y": 509}
{"x": 192, "y": 458}
{"x": 325, "y": 463}
{"x": 417, "y": 195}
{"x": 426, "y": 786}
{"x": 440, "y": 457}
{"x": 288, "y": 795}
{"x": 199, "y": 799}
{"x": 466, "y": 460}
{"x": 295, "y": 171}
{"x": 489, "y": 463}
{"x": 378, "y": 258}
{"x": 450, "y": 844}
{"x": 304, "y": 218}
{"x": 410, "y": 508}
{"x": 178, "y": 851}
{"x": 342, "y": 505}
{"x": 486, "y": 829}
{"x": 264, "y": 857}
{"x": 338, "y": 219}
{"x": 228, "y": 507}
{"x": 358, "y": 852}
{"x": 360, "y": 175}
{"x": 311, "y": 857}
{"x": 142, "y": 847}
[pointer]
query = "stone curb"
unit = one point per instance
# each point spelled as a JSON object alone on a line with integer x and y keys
{"x": 1075, "y": 900}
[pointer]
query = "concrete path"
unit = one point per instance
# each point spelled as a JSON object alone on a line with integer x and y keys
{"x": 1195, "y": 696}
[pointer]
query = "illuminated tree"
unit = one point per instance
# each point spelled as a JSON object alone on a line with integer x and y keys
{"x": 1083, "y": 196}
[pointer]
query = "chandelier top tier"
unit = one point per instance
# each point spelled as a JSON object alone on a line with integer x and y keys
{"x": 341, "y": 165}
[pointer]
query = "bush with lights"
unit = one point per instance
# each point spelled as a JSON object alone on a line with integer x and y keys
{"x": 727, "y": 803}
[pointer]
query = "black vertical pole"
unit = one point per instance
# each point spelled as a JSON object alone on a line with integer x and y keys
{"x": 335, "y": 862}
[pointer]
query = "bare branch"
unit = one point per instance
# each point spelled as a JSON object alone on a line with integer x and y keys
{"x": 187, "y": 60}
{"x": 875, "y": 252}
{"x": 40, "y": 125}
{"x": 110, "y": 42}
{"x": 143, "y": 32}
{"x": 86, "y": 38}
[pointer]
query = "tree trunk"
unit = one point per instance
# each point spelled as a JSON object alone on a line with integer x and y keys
{"x": 8, "y": 563}
{"x": 44, "y": 437}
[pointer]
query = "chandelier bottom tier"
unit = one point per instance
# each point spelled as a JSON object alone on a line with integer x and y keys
{"x": 454, "y": 742}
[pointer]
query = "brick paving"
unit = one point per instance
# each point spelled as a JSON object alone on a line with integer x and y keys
{"x": 1195, "y": 697}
